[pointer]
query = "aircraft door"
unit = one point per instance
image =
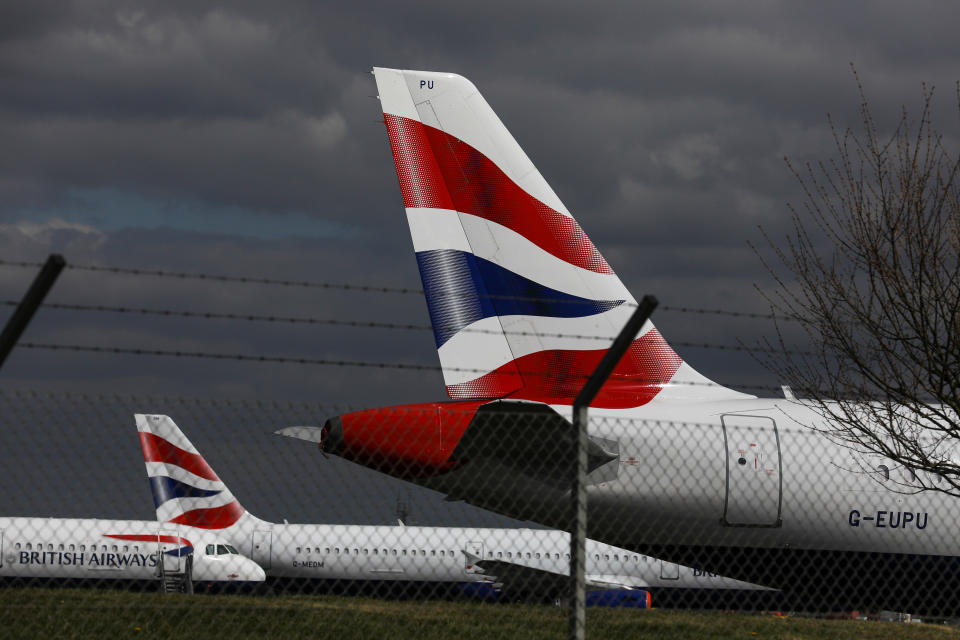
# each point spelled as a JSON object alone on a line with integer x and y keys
{"x": 168, "y": 546}
{"x": 754, "y": 491}
{"x": 262, "y": 548}
{"x": 669, "y": 570}
{"x": 474, "y": 552}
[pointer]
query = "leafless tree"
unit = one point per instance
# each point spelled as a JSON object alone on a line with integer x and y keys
{"x": 870, "y": 270}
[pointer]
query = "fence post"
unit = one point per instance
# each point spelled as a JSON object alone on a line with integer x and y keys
{"x": 578, "y": 523}
{"x": 28, "y": 306}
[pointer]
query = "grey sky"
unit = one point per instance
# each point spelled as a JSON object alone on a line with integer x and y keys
{"x": 243, "y": 138}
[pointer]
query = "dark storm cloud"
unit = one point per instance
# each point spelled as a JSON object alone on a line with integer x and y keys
{"x": 663, "y": 127}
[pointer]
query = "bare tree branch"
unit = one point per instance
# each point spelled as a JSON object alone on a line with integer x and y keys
{"x": 871, "y": 270}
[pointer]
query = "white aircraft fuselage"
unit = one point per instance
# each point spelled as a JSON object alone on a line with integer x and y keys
{"x": 449, "y": 554}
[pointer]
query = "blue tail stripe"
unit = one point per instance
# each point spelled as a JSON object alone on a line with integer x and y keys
{"x": 165, "y": 488}
{"x": 462, "y": 288}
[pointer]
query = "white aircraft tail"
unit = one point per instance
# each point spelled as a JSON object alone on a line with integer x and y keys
{"x": 185, "y": 489}
{"x": 521, "y": 302}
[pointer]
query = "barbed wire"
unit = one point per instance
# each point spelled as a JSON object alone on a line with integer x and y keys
{"x": 364, "y": 324}
{"x": 261, "y": 402}
{"x": 376, "y": 288}
{"x": 213, "y": 315}
{"x": 183, "y": 275}
{"x": 338, "y": 363}
{"x": 735, "y": 314}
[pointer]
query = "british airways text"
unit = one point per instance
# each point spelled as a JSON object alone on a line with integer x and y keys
{"x": 104, "y": 559}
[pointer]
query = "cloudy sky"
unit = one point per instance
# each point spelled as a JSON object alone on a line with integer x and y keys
{"x": 245, "y": 139}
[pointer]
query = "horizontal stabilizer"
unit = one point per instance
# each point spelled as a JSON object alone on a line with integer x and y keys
{"x": 515, "y": 433}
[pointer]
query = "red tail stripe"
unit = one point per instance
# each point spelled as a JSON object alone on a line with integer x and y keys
{"x": 156, "y": 449}
{"x": 440, "y": 171}
{"x": 212, "y": 518}
{"x": 556, "y": 376}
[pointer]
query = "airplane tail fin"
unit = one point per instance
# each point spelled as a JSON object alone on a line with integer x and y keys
{"x": 185, "y": 489}
{"x": 521, "y": 302}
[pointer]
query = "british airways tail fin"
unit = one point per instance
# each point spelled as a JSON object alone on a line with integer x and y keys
{"x": 185, "y": 489}
{"x": 521, "y": 302}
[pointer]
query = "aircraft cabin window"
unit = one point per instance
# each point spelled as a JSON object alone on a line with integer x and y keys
{"x": 29, "y": 546}
{"x": 537, "y": 556}
{"x": 606, "y": 556}
{"x": 59, "y": 547}
{"x": 308, "y": 550}
{"x": 423, "y": 552}
{"x": 489, "y": 554}
{"x": 49, "y": 547}
{"x": 337, "y": 550}
{"x": 298, "y": 549}
{"x": 17, "y": 546}
{"x": 499, "y": 554}
{"x": 356, "y": 551}
{"x": 433, "y": 552}
{"x": 326, "y": 549}
{"x": 567, "y": 555}
{"x": 83, "y": 547}
{"x": 509, "y": 554}
{"x": 211, "y": 550}
{"x": 596, "y": 556}
{"x": 884, "y": 472}
{"x": 441, "y": 552}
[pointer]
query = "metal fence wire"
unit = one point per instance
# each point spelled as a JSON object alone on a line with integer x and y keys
{"x": 459, "y": 502}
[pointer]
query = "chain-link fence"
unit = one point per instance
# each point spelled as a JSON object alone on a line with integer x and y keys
{"x": 745, "y": 509}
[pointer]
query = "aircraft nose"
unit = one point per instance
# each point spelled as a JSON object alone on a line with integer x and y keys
{"x": 248, "y": 571}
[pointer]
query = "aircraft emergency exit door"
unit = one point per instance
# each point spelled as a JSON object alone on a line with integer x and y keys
{"x": 754, "y": 472}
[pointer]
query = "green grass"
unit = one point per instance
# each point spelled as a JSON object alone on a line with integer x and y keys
{"x": 87, "y": 613}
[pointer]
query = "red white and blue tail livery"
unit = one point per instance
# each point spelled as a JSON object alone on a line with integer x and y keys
{"x": 185, "y": 489}
{"x": 522, "y": 304}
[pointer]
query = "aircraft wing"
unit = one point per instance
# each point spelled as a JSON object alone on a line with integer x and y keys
{"x": 515, "y": 577}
